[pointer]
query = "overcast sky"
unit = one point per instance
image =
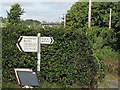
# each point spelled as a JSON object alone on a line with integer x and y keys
{"x": 48, "y": 10}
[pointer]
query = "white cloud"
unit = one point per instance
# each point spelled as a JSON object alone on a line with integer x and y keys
{"x": 49, "y": 11}
{"x": 58, "y": 0}
{"x": 40, "y": 18}
{"x": 39, "y": 0}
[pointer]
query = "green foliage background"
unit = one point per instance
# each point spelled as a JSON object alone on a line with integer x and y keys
{"x": 0, "y": 58}
{"x": 32, "y": 22}
{"x": 77, "y": 16}
{"x": 74, "y": 57}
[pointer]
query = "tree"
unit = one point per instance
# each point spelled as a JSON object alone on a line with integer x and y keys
{"x": 77, "y": 16}
{"x": 32, "y": 22}
{"x": 15, "y": 12}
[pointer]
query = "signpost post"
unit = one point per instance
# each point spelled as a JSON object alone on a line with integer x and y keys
{"x": 38, "y": 53}
{"x": 33, "y": 44}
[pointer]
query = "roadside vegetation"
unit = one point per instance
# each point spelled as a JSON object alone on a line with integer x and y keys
{"x": 80, "y": 57}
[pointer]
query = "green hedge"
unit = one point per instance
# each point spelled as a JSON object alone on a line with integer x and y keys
{"x": 73, "y": 58}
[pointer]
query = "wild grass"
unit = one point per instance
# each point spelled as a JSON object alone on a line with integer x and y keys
{"x": 110, "y": 54}
{"x": 10, "y": 85}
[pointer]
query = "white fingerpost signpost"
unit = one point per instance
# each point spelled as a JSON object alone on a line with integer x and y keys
{"x": 38, "y": 53}
{"x": 27, "y": 43}
{"x": 32, "y": 44}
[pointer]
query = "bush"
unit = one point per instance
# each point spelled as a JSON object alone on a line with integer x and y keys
{"x": 73, "y": 58}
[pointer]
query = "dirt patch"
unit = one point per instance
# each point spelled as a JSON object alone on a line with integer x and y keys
{"x": 110, "y": 81}
{"x": 112, "y": 66}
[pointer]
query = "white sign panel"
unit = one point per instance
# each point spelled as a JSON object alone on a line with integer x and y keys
{"x": 27, "y": 43}
{"x": 46, "y": 40}
{"x": 30, "y": 43}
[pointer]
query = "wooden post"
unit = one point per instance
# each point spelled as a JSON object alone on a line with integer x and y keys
{"x": 38, "y": 53}
{"x": 64, "y": 20}
{"x": 89, "y": 14}
{"x": 110, "y": 19}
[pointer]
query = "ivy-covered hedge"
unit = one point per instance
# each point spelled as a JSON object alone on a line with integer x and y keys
{"x": 74, "y": 57}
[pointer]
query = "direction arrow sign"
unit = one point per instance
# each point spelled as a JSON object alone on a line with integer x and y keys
{"x": 46, "y": 40}
{"x": 27, "y": 43}
{"x": 30, "y": 44}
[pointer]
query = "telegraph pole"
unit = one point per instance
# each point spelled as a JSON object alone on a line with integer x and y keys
{"x": 64, "y": 20}
{"x": 89, "y": 14}
{"x": 110, "y": 19}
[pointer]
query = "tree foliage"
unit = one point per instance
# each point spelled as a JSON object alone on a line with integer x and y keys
{"x": 32, "y": 22}
{"x": 3, "y": 20}
{"x": 15, "y": 12}
{"x": 74, "y": 57}
{"x": 77, "y": 16}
